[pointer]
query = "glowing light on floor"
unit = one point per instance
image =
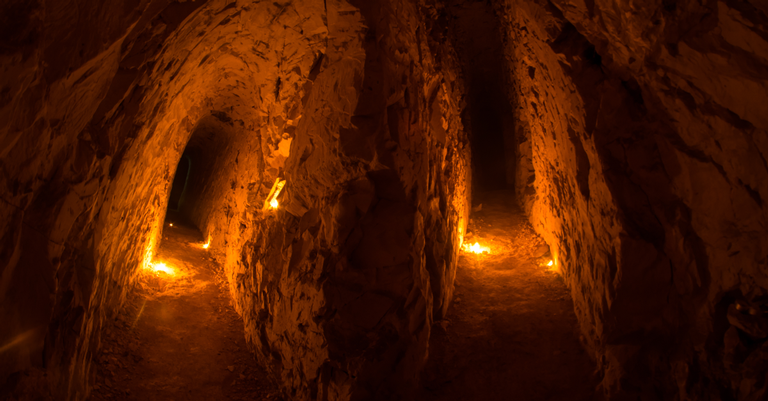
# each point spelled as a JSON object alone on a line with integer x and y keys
{"x": 476, "y": 248}
{"x": 162, "y": 267}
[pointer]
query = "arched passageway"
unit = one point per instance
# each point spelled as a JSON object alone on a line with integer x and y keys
{"x": 178, "y": 335}
{"x": 633, "y": 135}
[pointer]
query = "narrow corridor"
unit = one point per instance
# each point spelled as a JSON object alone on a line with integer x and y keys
{"x": 179, "y": 338}
{"x": 511, "y": 332}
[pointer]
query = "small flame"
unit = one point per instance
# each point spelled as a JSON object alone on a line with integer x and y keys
{"x": 551, "y": 266}
{"x": 207, "y": 244}
{"x": 271, "y": 201}
{"x": 162, "y": 267}
{"x": 476, "y": 248}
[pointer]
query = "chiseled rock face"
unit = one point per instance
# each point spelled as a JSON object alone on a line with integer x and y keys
{"x": 641, "y": 134}
{"x": 339, "y": 287}
{"x": 645, "y": 126}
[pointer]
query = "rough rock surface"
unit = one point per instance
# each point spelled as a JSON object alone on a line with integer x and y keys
{"x": 641, "y": 141}
{"x": 362, "y": 256}
{"x": 99, "y": 100}
{"x": 643, "y": 135}
{"x": 98, "y": 103}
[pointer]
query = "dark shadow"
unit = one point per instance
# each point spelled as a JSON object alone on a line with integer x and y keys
{"x": 198, "y": 180}
{"x": 179, "y": 182}
{"x": 488, "y": 117}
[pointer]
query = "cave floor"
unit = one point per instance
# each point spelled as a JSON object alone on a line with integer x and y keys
{"x": 511, "y": 332}
{"x": 178, "y": 338}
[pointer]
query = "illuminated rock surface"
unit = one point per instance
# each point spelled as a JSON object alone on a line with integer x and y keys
{"x": 634, "y": 133}
{"x": 645, "y": 129}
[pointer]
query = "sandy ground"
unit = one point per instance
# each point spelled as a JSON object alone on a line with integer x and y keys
{"x": 511, "y": 333}
{"x": 179, "y": 338}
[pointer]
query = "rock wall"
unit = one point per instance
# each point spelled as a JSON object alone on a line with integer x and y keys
{"x": 355, "y": 105}
{"x": 640, "y": 136}
{"x": 98, "y": 102}
{"x": 339, "y": 287}
{"x": 643, "y": 125}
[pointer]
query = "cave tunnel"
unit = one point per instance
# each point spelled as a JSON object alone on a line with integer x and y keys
{"x": 384, "y": 200}
{"x": 203, "y": 168}
{"x": 180, "y": 181}
{"x": 488, "y": 116}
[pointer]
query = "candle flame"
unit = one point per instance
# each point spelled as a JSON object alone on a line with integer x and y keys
{"x": 162, "y": 267}
{"x": 476, "y": 248}
{"x": 271, "y": 201}
{"x": 550, "y": 266}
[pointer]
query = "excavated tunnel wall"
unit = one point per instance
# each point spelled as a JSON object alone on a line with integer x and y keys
{"x": 643, "y": 139}
{"x": 640, "y": 141}
{"x": 100, "y": 100}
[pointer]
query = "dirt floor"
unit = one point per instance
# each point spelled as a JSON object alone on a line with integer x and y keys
{"x": 511, "y": 333}
{"x": 179, "y": 338}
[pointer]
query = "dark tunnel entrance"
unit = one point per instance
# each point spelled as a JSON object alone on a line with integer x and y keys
{"x": 197, "y": 185}
{"x": 180, "y": 181}
{"x": 488, "y": 116}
